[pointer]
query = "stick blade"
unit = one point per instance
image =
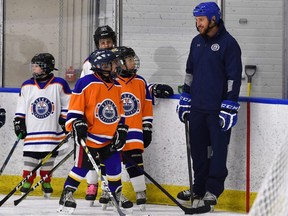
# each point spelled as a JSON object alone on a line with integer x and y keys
{"x": 16, "y": 202}
{"x": 198, "y": 210}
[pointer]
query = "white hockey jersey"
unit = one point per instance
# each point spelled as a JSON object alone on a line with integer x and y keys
{"x": 86, "y": 68}
{"x": 42, "y": 104}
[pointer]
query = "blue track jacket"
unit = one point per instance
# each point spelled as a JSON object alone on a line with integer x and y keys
{"x": 215, "y": 66}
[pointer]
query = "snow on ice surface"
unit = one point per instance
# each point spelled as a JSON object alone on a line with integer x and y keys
{"x": 36, "y": 206}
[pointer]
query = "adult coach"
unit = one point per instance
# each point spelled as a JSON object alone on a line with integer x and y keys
{"x": 209, "y": 101}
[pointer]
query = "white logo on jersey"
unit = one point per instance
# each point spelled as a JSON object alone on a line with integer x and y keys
{"x": 131, "y": 104}
{"x": 42, "y": 107}
{"x": 106, "y": 112}
{"x": 215, "y": 47}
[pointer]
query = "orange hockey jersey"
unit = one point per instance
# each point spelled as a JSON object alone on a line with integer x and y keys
{"x": 99, "y": 103}
{"x": 137, "y": 108}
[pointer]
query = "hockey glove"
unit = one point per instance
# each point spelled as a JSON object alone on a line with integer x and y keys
{"x": 162, "y": 91}
{"x": 20, "y": 127}
{"x": 119, "y": 138}
{"x": 228, "y": 114}
{"x": 147, "y": 134}
{"x": 80, "y": 128}
{"x": 183, "y": 108}
{"x": 62, "y": 122}
{"x": 2, "y": 117}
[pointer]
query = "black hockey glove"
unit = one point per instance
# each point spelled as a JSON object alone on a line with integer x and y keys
{"x": 62, "y": 122}
{"x": 80, "y": 128}
{"x": 147, "y": 135}
{"x": 20, "y": 127}
{"x": 162, "y": 91}
{"x": 2, "y": 117}
{"x": 119, "y": 138}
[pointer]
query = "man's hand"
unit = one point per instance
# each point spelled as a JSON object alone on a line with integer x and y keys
{"x": 183, "y": 107}
{"x": 228, "y": 114}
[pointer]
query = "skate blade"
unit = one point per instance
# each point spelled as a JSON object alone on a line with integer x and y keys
{"x": 47, "y": 195}
{"x": 126, "y": 211}
{"x": 65, "y": 210}
{"x": 212, "y": 208}
{"x": 104, "y": 206}
{"x": 142, "y": 207}
{"x": 91, "y": 203}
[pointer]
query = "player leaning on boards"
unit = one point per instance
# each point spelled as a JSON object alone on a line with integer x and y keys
{"x": 40, "y": 117}
{"x": 209, "y": 101}
{"x": 105, "y": 38}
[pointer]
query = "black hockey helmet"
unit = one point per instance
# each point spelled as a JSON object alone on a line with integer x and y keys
{"x": 122, "y": 53}
{"x": 46, "y": 61}
{"x": 100, "y": 60}
{"x": 103, "y": 32}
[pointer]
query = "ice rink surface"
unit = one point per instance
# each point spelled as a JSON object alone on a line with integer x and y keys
{"x": 36, "y": 206}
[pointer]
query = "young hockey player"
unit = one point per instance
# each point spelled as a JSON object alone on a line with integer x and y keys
{"x": 96, "y": 116}
{"x": 40, "y": 117}
{"x": 105, "y": 38}
{"x": 2, "y": 116}
{"x": 139, "y": 116}
{"x": 209, "y": 101}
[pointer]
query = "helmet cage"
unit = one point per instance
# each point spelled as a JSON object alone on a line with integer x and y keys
{"x": 40, "y": 75}
{"x": 130, "y": 71}
{"x": 100, "y": 61}
{"x": 46, "y": 62}
{"x": 122, "y": 54}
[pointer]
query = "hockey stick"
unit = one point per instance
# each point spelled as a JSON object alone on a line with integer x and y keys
{"x": 250, "y": 70}
{"x": 120, "y": 212}
{"x": 10, "y": 153}
{"x": 44, "y": 160}
{"x": 199, "y": 210}
{"x": 16, "y": 202}
{"x": 189, "y": 158}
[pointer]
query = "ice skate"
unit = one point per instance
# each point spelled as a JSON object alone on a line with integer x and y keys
{"x": 197, "y": 201}
{"x": 104, "y": 199}
{"x": 47, "y": 189}
{"x": 25, "y": 188}
{"x": 67, "y": 204}
{"x": 123, "y": 202}
{"x": 141, "y": 200}
{"x": 91, "y": 193}
{"x": 184, "y": 197}
{"x": 210, "y": 199}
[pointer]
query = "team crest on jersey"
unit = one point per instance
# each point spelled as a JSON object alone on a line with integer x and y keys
{"x": 42, "y": 108}
{"x": 215, "y": 47}
{"x": 106, "y": 112}
{"x": 131, "y": 104}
